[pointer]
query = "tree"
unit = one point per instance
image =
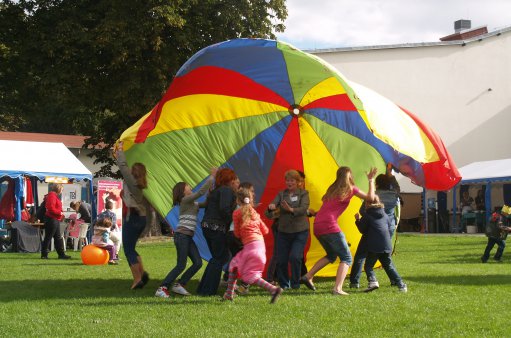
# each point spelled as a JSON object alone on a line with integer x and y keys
{"x": 94, "y": 67}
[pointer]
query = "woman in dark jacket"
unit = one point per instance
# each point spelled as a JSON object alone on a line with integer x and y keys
{"x": 220, "y": 205}
{"x": 293, "y": 231}
{"x": 52, "y": 220}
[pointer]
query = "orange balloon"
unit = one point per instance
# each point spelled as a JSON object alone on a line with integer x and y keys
{"x": 93, "y": 255}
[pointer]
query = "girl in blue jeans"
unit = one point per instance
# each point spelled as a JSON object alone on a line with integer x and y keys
{"x": 326, "y": 229}
{"x": 183, "y": 237}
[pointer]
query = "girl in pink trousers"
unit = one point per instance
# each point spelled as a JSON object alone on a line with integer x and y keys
{"x": 249, "y": 263}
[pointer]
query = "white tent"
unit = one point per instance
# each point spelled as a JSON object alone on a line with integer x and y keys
{"x": 486, "y": 173}
{"x": 41, "y": 160}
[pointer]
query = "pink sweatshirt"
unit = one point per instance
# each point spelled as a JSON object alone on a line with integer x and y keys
{"x": 253, "y": 231}
{"x": 326, "y": 218}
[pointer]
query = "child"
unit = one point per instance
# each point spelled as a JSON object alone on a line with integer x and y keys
{"x": 327, "y": 231}
{"x": 115, "y": 232}
{"x": 374, "y": 226}
{"x": 101, "y": 238}
{"x": 235, "y": 245}
{"x": 250, "y": 261}
{"x": 496, "y": 231}
{"x": 183, "y": 237}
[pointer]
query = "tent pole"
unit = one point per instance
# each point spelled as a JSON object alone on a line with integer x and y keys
{"x": 487, "y": 197}
{"x": 19, "y": 183}
{"x": 454, "y": 209}
{"x": 424, "y": 210}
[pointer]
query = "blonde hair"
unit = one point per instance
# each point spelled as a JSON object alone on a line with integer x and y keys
{"x": 55, "y": 187}
{"x": 245, "y": 200}
{"x": 375, "y": 203}
{"x": 342, "y": 186}
{"x": 293, "y": 175}
{"x": 139, "y": 173}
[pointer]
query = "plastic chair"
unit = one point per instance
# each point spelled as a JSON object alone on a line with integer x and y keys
{"x": 78, "y": 242}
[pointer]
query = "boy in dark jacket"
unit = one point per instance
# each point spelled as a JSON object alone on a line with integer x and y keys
{"x": 496, "y": 231}
{"x": 374, "y": 226}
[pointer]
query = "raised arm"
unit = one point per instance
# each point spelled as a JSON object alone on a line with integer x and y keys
{"x": 370, "y": 194}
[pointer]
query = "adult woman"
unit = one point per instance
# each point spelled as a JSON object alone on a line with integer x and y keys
{"x": 220, "y": 205}
{"x": 139, "y": 214}
{"x": 52, "y": 222}
{"x": 466, "y": 203}
{"x": 293, "y": 231}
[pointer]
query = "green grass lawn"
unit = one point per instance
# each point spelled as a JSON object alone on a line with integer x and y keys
{"x": 451, "y": 294}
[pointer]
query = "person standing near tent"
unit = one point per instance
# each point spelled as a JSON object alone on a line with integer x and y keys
{"x": 84, "y": 209}
{"x": 139, "y": 214}
{"x": 327, "y": 231}
{"x": 220, "y": 205}
{"x": 52, "y": 220}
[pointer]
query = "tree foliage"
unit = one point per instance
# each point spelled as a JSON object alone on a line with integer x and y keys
{"x": 94, "y": 67}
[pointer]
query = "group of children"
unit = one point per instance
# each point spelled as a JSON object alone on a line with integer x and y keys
{"x": 248, "y": 264}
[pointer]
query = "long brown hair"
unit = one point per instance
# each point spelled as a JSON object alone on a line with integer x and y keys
{"x": 342, "y": 186}
{"x": 178, "y": 193}
{"x": 244, "y": 195}
{"x": 139, "y": 173}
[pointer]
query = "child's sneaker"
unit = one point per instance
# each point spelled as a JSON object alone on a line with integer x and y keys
{"x": 162, "y": 292}
{"x": 228, "y": 297}
{"x": 180, "y": 290}
{"x": 354, "y": 285}
{"x": 275, "y": 296}
{"x": 243, "y": 288}
{"x": 373, "y": 285}
{"x": 403, "y": 288}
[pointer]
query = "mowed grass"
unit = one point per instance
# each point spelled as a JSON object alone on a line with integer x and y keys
{"x": 451, "y": 294}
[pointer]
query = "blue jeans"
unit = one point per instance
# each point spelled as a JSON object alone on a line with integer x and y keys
{"x": 217, "y": 244}
{"x": 272, "y": 264}
{"x": 185, "y": 247}
{"x": 358, "y": 262}
{"x": 290, "y": 247}
{"x": 388, "y": 266}
{"x": 335, "y": 246}
{"x": 131, "y": 232}
{"x": 491, "y": 243}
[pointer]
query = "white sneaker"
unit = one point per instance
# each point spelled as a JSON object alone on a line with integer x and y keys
{"x": 162, "y": 292}
{"x": 372, "y": 286}
{"x": 180, "y": 290}
{"x": 403, "y": 288}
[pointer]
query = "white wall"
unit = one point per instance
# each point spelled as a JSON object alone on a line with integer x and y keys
{"x": 446, "y": 86}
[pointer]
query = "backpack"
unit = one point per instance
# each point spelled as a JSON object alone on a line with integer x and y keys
{"x": 41, "y": 211}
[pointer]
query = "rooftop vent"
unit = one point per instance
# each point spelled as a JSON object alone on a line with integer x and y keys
{"x": 461, "y": 25}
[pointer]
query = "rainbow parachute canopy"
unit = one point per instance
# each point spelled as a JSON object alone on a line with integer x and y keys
{"x": 262, "y": 107}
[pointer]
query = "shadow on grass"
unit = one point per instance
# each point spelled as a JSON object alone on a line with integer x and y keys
{"x": 463, "y": 280}
{"x": 90, "y": 292}
{"x": 467, "y": 259}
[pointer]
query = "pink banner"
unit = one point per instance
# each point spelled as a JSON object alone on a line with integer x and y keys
{"x": 110, "y": 190}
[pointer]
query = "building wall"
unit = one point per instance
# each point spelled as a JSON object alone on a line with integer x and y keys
{"x": 462, "y": 92}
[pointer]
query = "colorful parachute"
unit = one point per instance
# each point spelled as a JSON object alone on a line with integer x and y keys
{"x": 263, "y": 107}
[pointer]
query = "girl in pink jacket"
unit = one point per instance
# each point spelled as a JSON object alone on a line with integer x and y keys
{"x": 249, "y": 263}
